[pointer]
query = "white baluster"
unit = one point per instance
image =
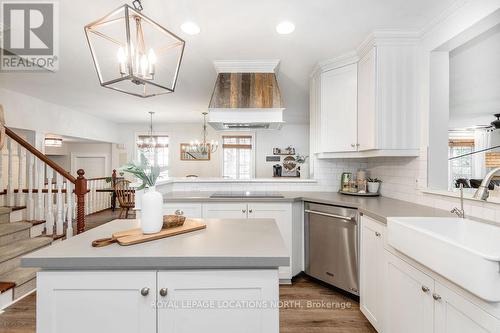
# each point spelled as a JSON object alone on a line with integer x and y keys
{"x": 21, "y": 155}
{"x": 30, "y": 202}
{"x": 40, "y": 177}
{"x": 88, "y": 200}
{"x": 2, "y": 182}
{"x": 69, "y": 213}
{"x": 49, "y": 215}
{"x": 10, "y": 167}
{"x": 59, "y": 205}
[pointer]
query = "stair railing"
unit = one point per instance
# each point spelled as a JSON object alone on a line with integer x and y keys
{"x": 38, "y": 171}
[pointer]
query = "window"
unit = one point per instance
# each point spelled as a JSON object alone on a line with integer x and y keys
{"x": 155, "y": 149}
{"x": 237, "y": 157}
{"x": 460, "y": 167}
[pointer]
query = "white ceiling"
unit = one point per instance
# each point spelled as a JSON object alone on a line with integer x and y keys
{"x": 230, "y": 30}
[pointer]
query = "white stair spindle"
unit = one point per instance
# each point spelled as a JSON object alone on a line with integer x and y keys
{"x": 40, "y": 184}
{"x": 49, "y": 215}
{"x": 59, "y": 205}
{"x": 30, "y": 203}
{"x": 2, "y": 182}
{"x": 69, "y": 213}
{"x": 10, "y": 180}
{"x": 21, "y": 155}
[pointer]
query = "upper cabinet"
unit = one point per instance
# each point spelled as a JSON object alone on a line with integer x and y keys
{"x": 365, "y": 104}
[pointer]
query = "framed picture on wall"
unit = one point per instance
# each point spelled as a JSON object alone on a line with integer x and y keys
{"x": 187, "y": 154}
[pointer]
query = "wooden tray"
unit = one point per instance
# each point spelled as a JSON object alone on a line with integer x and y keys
{"x": 135, "y": 236}
{"x": 360, "y": 194}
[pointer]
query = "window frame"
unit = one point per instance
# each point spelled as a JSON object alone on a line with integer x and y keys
{"x": 252, "y": 153}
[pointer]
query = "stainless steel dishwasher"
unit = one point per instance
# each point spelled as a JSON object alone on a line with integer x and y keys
{"x": 331, "y": 245}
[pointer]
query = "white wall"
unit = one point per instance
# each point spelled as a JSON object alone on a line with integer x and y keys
{"x": 30, "y": 113}
{"x": 293, "y": 135}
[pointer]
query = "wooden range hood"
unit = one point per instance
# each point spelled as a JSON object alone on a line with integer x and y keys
{"x": 246, "y": 101}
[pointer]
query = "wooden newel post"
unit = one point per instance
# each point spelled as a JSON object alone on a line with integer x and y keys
{"x": 80, "y": 191}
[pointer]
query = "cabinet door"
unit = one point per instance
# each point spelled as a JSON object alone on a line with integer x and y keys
{"x": 282, "y": 214}
{"x": 409, "y": 307}
{"x": 455, "y": 314}
{"x": 85, "y": 301}
{"x": 190, "y": 210}
{"x": 228, "y": 210}
{"x": 372, "y": 263}
{"x": 338, "y": 109}
{"x": 367, "y": 139}
{"x": 215, "y": 301}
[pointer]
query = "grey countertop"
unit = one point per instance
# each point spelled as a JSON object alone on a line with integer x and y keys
{"x": 379, "y": 208}
{"x": 224, "y": 243}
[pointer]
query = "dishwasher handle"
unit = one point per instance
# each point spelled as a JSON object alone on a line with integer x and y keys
{"x": 341, "y": 217}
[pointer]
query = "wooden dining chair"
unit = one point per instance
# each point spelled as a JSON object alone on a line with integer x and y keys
{"x": 125, "y": 196}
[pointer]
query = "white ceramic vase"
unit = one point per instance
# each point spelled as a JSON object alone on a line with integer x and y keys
{"x": 151, "y": 211}
{"x": 373, "y": 187}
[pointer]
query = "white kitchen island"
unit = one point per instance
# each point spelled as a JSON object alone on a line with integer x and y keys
{"x": 223, "y": 279}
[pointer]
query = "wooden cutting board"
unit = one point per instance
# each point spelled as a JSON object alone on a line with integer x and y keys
{"x": 135, "y": 236}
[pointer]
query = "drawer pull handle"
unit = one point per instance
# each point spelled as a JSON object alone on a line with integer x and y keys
{"x": 145, "y": 291}
{"x": 163, "y": 292}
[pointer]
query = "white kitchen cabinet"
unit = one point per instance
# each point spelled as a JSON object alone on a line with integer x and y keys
{"x": 409, "y": 302}
{"x": 455, "y": 314}
{"x": 338, "y": 109}
{"x": 282, "y": 214}
{"x": 372, "y": 268}
{"x": 109, "y": 302}
{"x": 226, "y": 210}
{"x": 214, "y": 301}
{"x": 190, "y": 210}
{"x": 384, "y": 121}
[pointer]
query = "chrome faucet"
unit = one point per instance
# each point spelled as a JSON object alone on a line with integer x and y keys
{"x": 482, "y": 192}
{"x": 460, "y": 212}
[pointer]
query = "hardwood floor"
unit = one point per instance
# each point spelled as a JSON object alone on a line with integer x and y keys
{"x": 296, "y": 315}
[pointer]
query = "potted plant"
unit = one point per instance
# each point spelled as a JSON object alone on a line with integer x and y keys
{"x": 152, "y": 200}
{"x": 303, "y": 169}
{"x": 373, "y": 185}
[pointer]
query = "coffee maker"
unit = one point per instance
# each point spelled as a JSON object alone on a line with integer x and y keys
{"x": 277, "y": 169}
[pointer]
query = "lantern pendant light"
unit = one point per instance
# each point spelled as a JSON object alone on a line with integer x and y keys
{"x": 134, "y": 54}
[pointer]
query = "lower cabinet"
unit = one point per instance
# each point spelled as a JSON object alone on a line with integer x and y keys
{"x": 408, "y": 297}
{"x": 397, "y": 297}
{"x": 455, "y": 314}
{"x": 372, "y": 270}
{"x": 83, "y": 302}
{"x": 222, "y": 301}
{"x": 191, "y": 210}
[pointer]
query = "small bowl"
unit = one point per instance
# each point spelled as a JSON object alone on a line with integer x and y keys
{"x": 173, "y": 221}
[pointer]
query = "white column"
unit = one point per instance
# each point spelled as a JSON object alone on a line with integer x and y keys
{"x": 69, "y": 213}
{"x": 30, "y": 202}
{"x": 21, "y": 155}
{"x": 10, "y": 180}
{"x": 59, "y": 205}
{"x": 49, "y": 216}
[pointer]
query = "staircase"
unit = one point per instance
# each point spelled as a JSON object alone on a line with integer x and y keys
{"x": 17, "y": 238}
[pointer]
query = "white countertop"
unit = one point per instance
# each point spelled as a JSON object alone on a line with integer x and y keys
{"x": 228, "y": 243}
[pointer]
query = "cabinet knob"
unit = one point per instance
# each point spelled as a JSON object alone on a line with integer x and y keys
{"x": 243, "y": 210}
{"x": 353, "y": 145}
{"x": 163, "y": 292}
{"x": 357, "y": 145}
{"x": 436, "y": 297}
{"x": 179, "y": 212}
{"x": 377, "y": 234}
{"x": 425, "y": 289}
{"x": 145, "y": 291}
{"x": 250, "y": 211}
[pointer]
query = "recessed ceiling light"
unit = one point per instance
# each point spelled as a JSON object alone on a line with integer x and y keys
{"x": 190, "y": 28}
{"x": 285, "y": 28}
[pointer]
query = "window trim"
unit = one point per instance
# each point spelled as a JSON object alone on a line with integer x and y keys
{"x": 146, "y": 133}
{"x": 250, "y": 135}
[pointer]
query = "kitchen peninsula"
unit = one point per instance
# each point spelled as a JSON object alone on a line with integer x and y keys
{"x": 223, "y": 278}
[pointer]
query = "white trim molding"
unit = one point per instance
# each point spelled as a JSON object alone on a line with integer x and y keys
{"x": 247, "y": 66}
{"x": 106, "y": 157}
